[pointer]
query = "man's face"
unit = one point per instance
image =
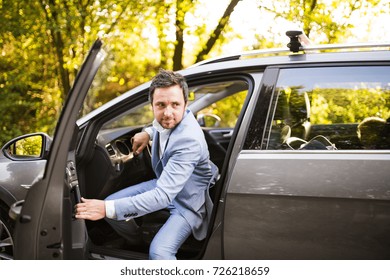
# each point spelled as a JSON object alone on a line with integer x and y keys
{"x": 168, "y": 106}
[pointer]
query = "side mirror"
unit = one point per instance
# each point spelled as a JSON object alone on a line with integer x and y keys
{"x": 28, "y": 147}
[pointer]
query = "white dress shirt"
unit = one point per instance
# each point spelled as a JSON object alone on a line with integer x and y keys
{"x": 164, "y": 135}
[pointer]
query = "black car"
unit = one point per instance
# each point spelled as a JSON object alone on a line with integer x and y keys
{"x": 301, "y": 139}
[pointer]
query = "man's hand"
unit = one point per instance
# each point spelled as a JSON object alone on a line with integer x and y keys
{"x": 140, "y": 141}
{"x": 90, "y": 209}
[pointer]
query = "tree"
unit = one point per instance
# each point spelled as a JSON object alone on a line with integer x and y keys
{"x": 173, "y": 15}
{"x": 42, "y": 45}
{"x": 327, "y": 21}
{"x": 216, "y": 33}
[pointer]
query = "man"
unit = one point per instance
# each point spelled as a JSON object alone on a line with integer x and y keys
{"x": 184, "y": 173}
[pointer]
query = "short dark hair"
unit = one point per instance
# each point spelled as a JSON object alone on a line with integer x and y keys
{"x": 167, "y": 78}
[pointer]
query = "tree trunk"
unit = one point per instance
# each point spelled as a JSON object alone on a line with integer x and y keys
{"x": 181, "y": 9}
{"x": 217, "y": 31}
{"x": 58, "y": 45}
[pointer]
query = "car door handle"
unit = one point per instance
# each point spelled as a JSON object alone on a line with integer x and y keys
{"x": 25, "y": 186}
{"x": 16, "y": 209}
{"x": 227, "y": 134}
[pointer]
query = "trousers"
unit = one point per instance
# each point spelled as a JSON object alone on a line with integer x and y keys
{"x": 168, "y": 239}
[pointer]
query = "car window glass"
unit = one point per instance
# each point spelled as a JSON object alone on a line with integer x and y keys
{"x": 224, "y": 112}
{"x": 331, "y": 108}
{"x": 140, "y": 115}
{"x": 217, "y": 104}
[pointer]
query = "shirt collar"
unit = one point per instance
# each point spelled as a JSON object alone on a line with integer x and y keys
{"x": 159, "y": 128}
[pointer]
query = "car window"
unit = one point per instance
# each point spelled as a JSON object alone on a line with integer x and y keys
{"x": 224, "y": 112}
{"x": 343, "y": 108}
{"x": 140, "y": 115}
{"x": 215, "y": 104}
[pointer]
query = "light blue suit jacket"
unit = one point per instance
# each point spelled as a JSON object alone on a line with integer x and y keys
{"x": 184, "y": 176}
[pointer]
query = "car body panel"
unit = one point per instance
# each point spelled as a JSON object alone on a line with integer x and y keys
{"x": 302, "y": 228}
{"x": 339, "y": 174}
{"x": 13, "y": 184}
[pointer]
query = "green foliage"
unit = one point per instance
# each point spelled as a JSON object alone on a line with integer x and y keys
{"x": 330, "y": 106}
{"x": 29, "y": 98}
{"x": 43, "y": 47}
{"x": 30, "y": 146}
{"x": 227, "y": 109}
{"x": 326, "y": 21}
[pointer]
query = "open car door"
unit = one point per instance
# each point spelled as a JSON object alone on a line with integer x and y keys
{"x": 45, "y": 228}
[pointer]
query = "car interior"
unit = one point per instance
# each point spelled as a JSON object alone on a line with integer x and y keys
{"x": 112, "y": 166}
{"x": 292, "y": 129}
{"x": 321, "y": 114}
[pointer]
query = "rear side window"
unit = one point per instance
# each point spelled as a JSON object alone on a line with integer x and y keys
{"x": 343, "y": 108}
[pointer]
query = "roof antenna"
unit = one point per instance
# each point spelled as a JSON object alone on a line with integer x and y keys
{"x": 296, "y": 39}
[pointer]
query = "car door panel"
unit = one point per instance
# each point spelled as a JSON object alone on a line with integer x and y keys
{"x": 308, "y": 206}
{"x": 45, "y": 224}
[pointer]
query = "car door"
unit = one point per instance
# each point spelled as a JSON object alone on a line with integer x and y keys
{"x": 306, "y": 185}
{"x": 45, "y": 228}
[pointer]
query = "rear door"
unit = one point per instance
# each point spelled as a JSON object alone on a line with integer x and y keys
{"x": 45, "y": 228}
{"x": 329, "y": 198}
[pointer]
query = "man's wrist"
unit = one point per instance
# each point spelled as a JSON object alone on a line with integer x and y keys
{"x": 149, "y": 131}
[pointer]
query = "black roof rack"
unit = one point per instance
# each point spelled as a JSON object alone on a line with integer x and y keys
{"x": 295, "y": 44}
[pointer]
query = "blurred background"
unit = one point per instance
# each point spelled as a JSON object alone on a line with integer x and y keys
{"x": 44, "y": 42}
